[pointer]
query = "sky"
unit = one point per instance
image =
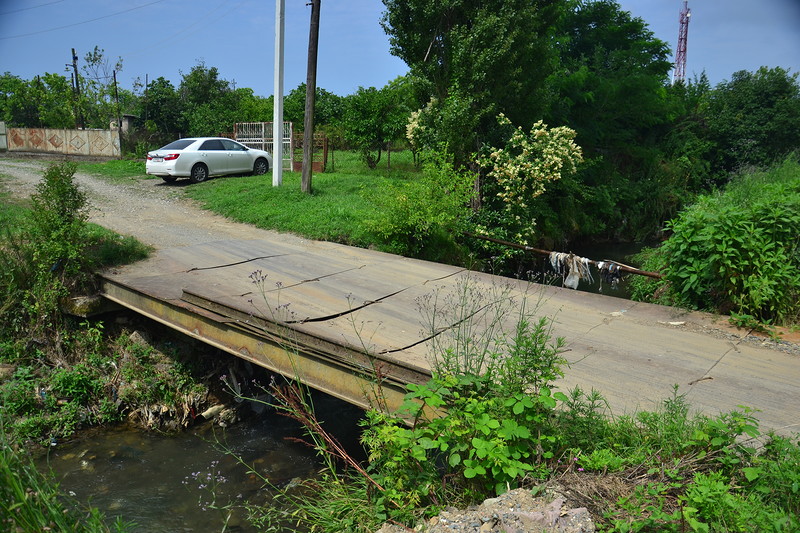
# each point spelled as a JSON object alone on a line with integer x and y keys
{"x": 168, "y": 37}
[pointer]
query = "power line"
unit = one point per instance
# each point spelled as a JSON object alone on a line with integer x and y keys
{"x": 79, "y": 23}
{"x": 31, "y": 7}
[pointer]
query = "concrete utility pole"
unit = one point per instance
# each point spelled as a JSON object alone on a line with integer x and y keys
{"x": 311, "y": 91}
{"x": 277, "y": 110}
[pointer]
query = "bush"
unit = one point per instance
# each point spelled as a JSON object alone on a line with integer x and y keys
{"x": 44, "y": 260}
{"x": 739, "y": 251}
{"x": 418, "y": 215}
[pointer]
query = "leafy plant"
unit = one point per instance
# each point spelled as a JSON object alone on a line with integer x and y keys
{"x": 524, "y": 166}
{"x": 422, "y": 213}
{"x": 740, "y": 251}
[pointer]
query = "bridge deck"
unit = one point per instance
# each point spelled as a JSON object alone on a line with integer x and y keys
{"x": 346, "y": 312}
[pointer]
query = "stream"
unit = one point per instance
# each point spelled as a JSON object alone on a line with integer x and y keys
{"x": 186, "y": 482}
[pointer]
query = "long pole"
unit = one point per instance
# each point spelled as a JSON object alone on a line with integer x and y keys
{"x": 624, "y": 268}
{"x": 277, "y": 107}
{"x": 119, "y": 113}
{"x": 311, "y": 91}
{"x": 77, "y": 88}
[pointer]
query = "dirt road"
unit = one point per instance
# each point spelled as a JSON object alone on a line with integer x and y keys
{"x": 154, "y": 212}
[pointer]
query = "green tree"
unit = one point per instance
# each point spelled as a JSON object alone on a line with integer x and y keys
{"x": 328, "y": 107}
{"x": 55, "y": 97}
{"x": 374, "y": 117}
{"x": 161, "y": 106}
{"x": 98, "y": 102}
{"x": 494, "y": 56}
{"x": 611, "y": 88}
{"x": 17, "y": 103}
{"x": 46, "y": 101}
{"x": 755, "y": 117}
{"x": 208, "y": 102}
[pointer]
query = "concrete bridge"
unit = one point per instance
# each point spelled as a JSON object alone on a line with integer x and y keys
{"x": 337, "y": 316}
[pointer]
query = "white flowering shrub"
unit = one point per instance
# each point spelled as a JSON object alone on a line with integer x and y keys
{"x": 522, "y": 169}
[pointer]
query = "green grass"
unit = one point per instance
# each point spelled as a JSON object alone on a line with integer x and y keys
{"x": 115, "y": 170}
{"x": 336, "y": 211}
{"x": 107, "y": 247}
{"x": 12, "y": 210}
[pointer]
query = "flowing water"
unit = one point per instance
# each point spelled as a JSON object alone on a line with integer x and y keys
{"x": 185, "y": 482}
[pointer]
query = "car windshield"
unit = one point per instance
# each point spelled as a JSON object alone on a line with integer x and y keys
{"x": 180, "y": 144}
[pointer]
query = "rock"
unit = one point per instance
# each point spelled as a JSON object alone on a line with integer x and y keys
{"x": 138, "y": 337}
{"x": 516, "y": 511}
{"x": 87, "y": 306}
{"x": 212, "y": 411}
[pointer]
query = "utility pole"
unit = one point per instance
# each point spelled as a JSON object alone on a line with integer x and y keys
{"x": 77, "y": 89}
{"x": 679, "y": 74}
{"x": 277, "y": 110}
{"x": 119, "y": 114}
{"x": 311, "y": 91}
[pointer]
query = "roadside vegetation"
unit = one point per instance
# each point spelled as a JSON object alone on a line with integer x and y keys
{"x": 735, "y": 251}
{"x": 491, "y": 420}
{"x": 60, "y": 373}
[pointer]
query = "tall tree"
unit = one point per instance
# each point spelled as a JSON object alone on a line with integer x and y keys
{"x": 161, "y": 106}
{"x": 328, "y": 106}
{"x": 209, "y": 102}
{"x": 755, "y": 117}
{"x": 493, "y": 56}
{"x": 611, "y": 87}
{"x": 98, "y": 88}
{"x": 374, "y": 117}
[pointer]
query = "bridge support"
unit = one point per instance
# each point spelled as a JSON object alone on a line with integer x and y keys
{"x": 357, "y": 378}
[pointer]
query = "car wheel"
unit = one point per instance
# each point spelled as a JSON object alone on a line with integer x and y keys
{"x": 169, "y": 179}
{"x": 260, "y": 167}
{"x": 199, "y": 173}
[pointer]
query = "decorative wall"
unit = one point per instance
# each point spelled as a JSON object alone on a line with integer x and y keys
{"x": 100, "y": 143}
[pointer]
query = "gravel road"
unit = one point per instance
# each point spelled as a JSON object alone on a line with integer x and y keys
{"x": 154, "y": 212}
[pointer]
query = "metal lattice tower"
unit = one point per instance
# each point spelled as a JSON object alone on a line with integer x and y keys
{"x": 679, "y": 74}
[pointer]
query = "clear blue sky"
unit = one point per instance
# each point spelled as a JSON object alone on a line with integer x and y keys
{"x": 167, "y": 37}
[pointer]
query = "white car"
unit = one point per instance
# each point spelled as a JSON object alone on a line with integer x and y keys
{"x": 200, "y": 157}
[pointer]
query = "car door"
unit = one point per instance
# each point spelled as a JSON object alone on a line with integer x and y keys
{"x": 239, "y": 161}
{"x": 213, "y": 154}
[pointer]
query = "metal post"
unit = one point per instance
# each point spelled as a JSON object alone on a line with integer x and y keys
{"x": 277, "y": 109}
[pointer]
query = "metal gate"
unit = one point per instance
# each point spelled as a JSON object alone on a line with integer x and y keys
{"x": 259, "y": 135}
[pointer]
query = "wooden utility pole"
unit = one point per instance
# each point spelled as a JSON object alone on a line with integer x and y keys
{"x": 311, "y": 91}
{"x": 77, "y": 89}
{"x": 119, "y": 113}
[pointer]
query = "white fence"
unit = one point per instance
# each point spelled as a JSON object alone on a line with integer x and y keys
{"x": 100, "y": 143}
{"x": 3, "y": 137}
{"x": 259, "y": 135}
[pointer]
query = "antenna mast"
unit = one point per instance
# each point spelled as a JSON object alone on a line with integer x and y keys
{"x": 679, "y": 74}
